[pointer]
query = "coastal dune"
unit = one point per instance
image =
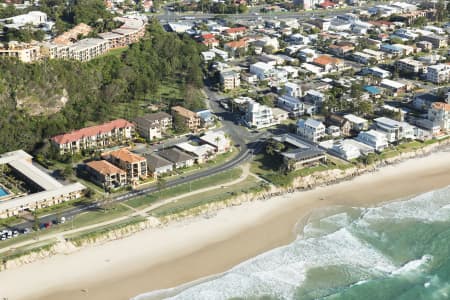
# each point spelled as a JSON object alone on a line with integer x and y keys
{"x": 188, "y": 250}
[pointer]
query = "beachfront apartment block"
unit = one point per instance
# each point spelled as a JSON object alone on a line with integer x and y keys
{"x": 134, "y": 165}
{"x": 439, "y": 114}
{"x": 95, "y": 137}
{"x": 22, "y": 51}
{"x": 438, "y": 73}
{"x": 152, "y": 126}
{"x": 375, "y": 139}
{"x": 47, "y": 191}
{"x": 189, "y": 118}
{"x": 311, "y": 129}
{"x": 106, "y": 174}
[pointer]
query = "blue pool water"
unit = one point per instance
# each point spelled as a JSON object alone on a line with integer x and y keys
{"x": 3, "y": 192}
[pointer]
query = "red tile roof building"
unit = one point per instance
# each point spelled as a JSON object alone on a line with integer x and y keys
{"x": 235, "y": 32}
{"x": 106, "y": 174}
{"x": 209, "y": 40}
{"x": 135, "y": 165}
{"x": 94, "y": 137}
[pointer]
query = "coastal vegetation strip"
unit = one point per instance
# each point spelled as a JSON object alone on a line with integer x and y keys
{"x": 217, "y": 179}
{"x": 248, "y": 186}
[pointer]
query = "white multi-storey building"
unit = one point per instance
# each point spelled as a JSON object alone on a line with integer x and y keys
{"x": 409, "y": 65}
{"x": 311, "y": 129}
{"x": 439, "y": 114}
{"x": 438, "y": 73}
{"x": 374, "y": 139}
{"x": 259, "y": 115}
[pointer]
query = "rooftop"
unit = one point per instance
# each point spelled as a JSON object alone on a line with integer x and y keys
{"x": 104, "y": 167}
{"x": 154, "y": 161}
{"x": 184, "y": 112}
{"x": 91, "y": 131}
{"x": 125, "y": 155}
{"x": 175, "y": 155}
{"x": 441, "y": 106}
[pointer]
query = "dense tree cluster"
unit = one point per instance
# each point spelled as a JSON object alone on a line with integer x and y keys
{"x": 96, "y": 88}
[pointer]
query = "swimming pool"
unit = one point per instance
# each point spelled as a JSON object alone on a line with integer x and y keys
{"x": 3, "y": 192}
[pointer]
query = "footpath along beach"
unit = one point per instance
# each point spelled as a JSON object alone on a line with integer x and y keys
{"x": 191, "y": 249}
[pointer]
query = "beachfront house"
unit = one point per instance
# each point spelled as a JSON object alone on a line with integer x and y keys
{"x": 311, "y": 129}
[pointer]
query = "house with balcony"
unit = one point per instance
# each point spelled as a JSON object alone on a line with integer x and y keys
{"x": 152, "y": 126}
{"x": 106, "y": 174}
{"x": 189, "y": 118}
{"x": 259, "y": 115}
{"x": 375, "y": 139}
{"x": 311, "y": 129}
{"x": 395, "y": 131}
{"x": 134, "y": 165}
{"x": 439, "y": 114}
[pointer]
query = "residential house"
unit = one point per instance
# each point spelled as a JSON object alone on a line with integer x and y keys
{"x": 178, "y": 158}
{"x": 342, "y": 123}
{"x": 342, "y": 49}
{"x": 218, "y": 140}
{"x": 377, "y": 72}
{"x": 358, "y": 123}
{"x": 106, "y": 174}
{"x": 328, "y": 63}
{"x": 152, "y": 126}
{"x": 395, "y": 131}
{"x": 295, "y": 159}
{"x": 158, "y": 165}
{"x": 424, "y": 101}
{"x": 292, "y": 90}
{"x": 292, "y": 104}
{"x": 209, "y": 40}
{"x": 135, "y": 165}
{"x": 375, "y": 139}
{"x": 392, "y": 50}
{"x": 201, "y": 153}
{"x": 259, "y": 115}
{"x": 439, "y": 114}
{"x": 394, "y": 87}
{"x": 189, "y": 118}
{"x": 311, "y": 129}
{"x": 235, "y": 33}
{"x": 262, "y": 70}
{"x": 236, "y": 47}
{"x": 95, "y": 137}
{"x": 345, "y": 150}
{"x": 207, "y": 119}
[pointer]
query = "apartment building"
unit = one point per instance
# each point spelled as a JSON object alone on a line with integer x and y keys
{"x": 408, "y": 65}
{"x": 190, "y": 119}
{"x": 106, "y": 174}
{"x": 22, "y": 51}
{"x": 230, "y": 80}
{"x": 72, "y": 35}
{"x": 437, "y": 41}
{"x": 152, "y": 126}
{"x": 311, "y": 129}
{"x": 258, "y": 115}
{"x": 438, "y": 73}
{"x": 439, "y": 113}
{"x": 94, "y": 137}
{"x": 88, "y": 49}
{"x": 134, "y": 165}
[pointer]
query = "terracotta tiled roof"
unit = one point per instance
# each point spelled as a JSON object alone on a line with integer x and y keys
{"x": 326, "y": 60}
{"x": 237, "y": 44}
{"x": 236, "y": 30}
{"x": 104, "y": 167}
{"x": 125, "y": 155}
{"x": 91, "y": 131}
{"x": 207, "y": 36}
{"x": 441, "y": 106}
{"x": 327, "y": 4}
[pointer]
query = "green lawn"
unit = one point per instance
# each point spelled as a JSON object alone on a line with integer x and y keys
{"x": 186, "y": 188}
{"x": 247, "y": 186}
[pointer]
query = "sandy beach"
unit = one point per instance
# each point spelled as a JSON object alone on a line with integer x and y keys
{"x": 182, "y": 252}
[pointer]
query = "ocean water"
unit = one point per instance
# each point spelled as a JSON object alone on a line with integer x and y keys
{"x": 399, "y": 250}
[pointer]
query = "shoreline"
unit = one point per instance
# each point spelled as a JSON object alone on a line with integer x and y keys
{"x": 196, "y": 248}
